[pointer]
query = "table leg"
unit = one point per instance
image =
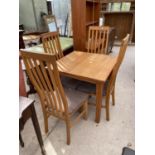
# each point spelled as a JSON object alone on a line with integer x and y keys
{"x": 99, "y": 89}
{"x": 37, "y": 129}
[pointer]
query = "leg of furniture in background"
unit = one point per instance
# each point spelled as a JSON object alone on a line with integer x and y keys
{"x": 27, "y": 110}
{"x": 128, "y": 151}
{"x": 21, "y": 140}
{"x": 37, "y": 128}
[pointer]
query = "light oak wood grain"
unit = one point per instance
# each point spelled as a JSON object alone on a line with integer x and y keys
{"x": 87, "y": 66}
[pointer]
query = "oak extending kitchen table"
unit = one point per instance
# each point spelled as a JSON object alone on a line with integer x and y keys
{"x": 89, "y": 67}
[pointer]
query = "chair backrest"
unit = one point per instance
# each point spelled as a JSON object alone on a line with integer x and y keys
{"x": 43, "y": 73}
{"x": 98, "y": 37}
{"x": 120, "y": 57}
{"x": 51, "y": 44}
{"x": 51, "y": 23}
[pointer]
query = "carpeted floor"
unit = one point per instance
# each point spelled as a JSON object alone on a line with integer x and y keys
{"x": 87, "y": 137}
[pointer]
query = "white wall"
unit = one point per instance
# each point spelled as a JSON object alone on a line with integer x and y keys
{"x": 29, "y": 14}
{"x": 26, "y": 14}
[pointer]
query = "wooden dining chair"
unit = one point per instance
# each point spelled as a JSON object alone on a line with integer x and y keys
{"x": 56, "y": 101}
{"x": 51, "y": 44}
{"x": 109, "y": 86}
{"x": 98, "y": 37}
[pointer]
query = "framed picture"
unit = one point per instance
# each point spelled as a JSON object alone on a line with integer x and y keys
{"x": 51, "y": 23}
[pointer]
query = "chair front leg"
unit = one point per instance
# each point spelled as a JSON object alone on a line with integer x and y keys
{"x": 85, "y": 108}
{"x": 107, "y": 107}
{"x": 46, "y": 123}
{"x": 68, "y": 128}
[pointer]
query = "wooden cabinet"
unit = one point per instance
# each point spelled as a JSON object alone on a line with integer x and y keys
{"x": 123, "y": 21}
{"x": 84, "y": 14}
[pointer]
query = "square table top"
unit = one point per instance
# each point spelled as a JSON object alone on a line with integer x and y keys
{"x": 85, "y": 66}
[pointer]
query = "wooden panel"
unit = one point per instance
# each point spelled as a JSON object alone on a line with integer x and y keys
{"x": 84, "y": 14}
{"x": 78, "y": 22}
{"x": 122, "y": 23}
{"x": 92, "y": 12}
{"x": 133, "y": 37}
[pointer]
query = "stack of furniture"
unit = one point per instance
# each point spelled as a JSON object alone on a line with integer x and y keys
{"x": 123, "y": 21}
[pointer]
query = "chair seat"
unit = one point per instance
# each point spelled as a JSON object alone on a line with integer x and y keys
{"x": 81, "y": 86}
{"x": 68, "y": 82}
{"x": 75, "y": 99}
{"x": 90, "y": 88}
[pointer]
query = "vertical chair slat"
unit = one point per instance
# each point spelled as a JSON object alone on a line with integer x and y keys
{"x": 103, "y": 40}
{"x": 35, "y": 74}
{"x": 58, "y": 101}
{"x": 95, "y": 42}
{"x": 42, "y": 80}
{"x": 48, "y": 84}
{"x": 59, "y": 47}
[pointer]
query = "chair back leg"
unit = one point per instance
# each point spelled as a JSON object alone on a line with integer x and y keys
{"x": 113, "y": 97}
{"x": 107, "y": 107}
